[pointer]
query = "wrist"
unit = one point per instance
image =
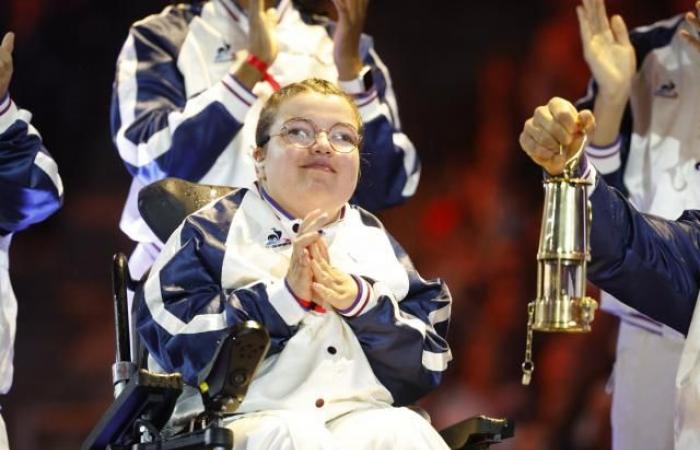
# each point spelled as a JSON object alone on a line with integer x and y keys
{"x": 615, "y": 96}
{"x": 358, "y": 302}
{"x": 349, "y": 68}
{"x": 361, "y": 84}
{"x": 608, "y": 113}
{"x": 247, "y": 75}
{"x": 257, "y": 64}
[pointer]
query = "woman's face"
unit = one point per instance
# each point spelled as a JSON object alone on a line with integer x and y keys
{"x": 317, "y": 177}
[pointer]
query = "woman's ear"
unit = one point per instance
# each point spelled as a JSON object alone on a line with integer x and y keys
{"x": 259, "y": 158}
{"x": 258, "y": 155}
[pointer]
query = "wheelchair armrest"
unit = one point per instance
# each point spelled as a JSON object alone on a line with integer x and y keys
{"x": 238, "y": 356}
{"x": 146, "y": 394}
{"x": 477, "y": 433}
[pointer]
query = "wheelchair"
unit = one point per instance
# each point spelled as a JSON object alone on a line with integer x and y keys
{"x": 145, "y": 401}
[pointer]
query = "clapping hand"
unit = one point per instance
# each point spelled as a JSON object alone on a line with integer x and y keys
{"x": 299, "y": 275}
{"x": 6, "y": 47}
{"x": 692, "y": 19}
{"x": 261, "y": 38}
{"x": 346, "y": 40}
{"x": 607, "y": 49}
{"x": 330, "y": 284}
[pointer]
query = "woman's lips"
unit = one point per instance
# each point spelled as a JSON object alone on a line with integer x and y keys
{"x": 319, "y": 166}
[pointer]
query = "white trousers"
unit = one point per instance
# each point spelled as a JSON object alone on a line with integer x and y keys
{"x": 4, "y": 443}
{"x": 643, "y": 404}
{"x": 369, "y": 429}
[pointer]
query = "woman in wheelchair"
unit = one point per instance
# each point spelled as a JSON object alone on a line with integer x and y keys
{"x": 355, "y": 332}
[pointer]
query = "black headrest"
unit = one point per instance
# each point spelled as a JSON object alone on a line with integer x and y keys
{"x": 166, "y": 203}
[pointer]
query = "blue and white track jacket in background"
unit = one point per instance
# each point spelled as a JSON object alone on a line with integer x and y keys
{"x": 227, "y": 263}
{"x": 177, "y": 110}
{"x": 653, "y": 265}
{"x": 30, "y": 191}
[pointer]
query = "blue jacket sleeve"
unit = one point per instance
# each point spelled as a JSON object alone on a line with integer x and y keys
{"x": 649, "y": 263}
{"x": 405, "y": 339}
{"x": 390, "y": 166}
{"x": 30, "y": 186}
{"x": 182, "y": 310}
{"x": 157, "y": 128}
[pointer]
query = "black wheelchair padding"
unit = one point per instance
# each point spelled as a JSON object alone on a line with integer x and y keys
{"x": 229, "y": 377}
{"x": 477, "y": 433}
{"x": 145, "y": 395}
{"x": 166, "y": 203}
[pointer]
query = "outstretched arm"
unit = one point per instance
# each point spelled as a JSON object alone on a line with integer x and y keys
{"x": 647, "y": 262}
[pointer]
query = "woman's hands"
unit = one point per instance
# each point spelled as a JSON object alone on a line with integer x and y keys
{"x": 299, "y": 275}
{"x": 331, "y": 285}
{"x": 311, "y": 276}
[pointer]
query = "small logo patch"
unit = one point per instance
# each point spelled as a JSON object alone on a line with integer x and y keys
{"x": 224, "y": 53}
{"x": 274, "y": 239}
{"x": 667, "y": 90}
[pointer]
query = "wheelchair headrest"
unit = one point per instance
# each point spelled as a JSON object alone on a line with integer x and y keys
{"x": 166, "y": 203}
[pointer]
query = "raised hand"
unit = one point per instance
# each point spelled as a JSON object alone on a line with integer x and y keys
{"x": 346, "y": 40}
{"x": 299, "y": 275}
{"x": 692, "y": 19}
{"x": 330, "y": 284}
{"x": 555, "y": 133}
{"x": 261, "y": 37}
{"x": 607, "y": 49}
{"x": 6, "y": 47}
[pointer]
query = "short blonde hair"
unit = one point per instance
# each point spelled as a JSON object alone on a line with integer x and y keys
{"x": 272, "y": 105}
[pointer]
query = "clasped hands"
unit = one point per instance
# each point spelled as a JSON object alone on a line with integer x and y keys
{"x": 311, "y": 276}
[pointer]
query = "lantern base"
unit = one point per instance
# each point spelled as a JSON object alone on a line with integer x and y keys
{"x": 564, "y": 315}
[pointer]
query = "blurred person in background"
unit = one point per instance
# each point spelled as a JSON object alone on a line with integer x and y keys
{"x": 644, "y": 95}
{"x": 30, "y": 191}
{"x": 190, "y": 82}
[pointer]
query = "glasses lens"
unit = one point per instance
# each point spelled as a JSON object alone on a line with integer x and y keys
{"x": 300, "y": 133}
{"x": 343, "y": 138}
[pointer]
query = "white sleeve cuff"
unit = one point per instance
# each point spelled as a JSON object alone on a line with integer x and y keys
{"x": 8, "y": 113}
{"x": 352, "y": 87}
{"x": 364, "y": 301}
{"x": 605, "y": 159}
{"x": 590, "y": 175}
{"x": 240, "y": 99}
{"x": 369, "y": 105}
{"x": 284, "y": 303}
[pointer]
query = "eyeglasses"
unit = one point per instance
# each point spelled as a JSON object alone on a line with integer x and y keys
{"x": 303, "y": 133}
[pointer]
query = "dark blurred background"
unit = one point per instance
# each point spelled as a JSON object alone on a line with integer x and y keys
{"x": 466, "y": 73}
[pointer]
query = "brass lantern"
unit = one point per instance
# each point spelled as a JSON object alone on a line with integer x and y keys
{"x": 561, "y": 304}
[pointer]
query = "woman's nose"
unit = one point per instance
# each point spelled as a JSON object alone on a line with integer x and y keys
{"x": 322, "y": 145}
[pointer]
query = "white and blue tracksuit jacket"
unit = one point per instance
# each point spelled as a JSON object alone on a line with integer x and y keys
{"x": 177, "y": 110}
{"x": 227, "y": 263}
{"x": 30, "y": 191}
